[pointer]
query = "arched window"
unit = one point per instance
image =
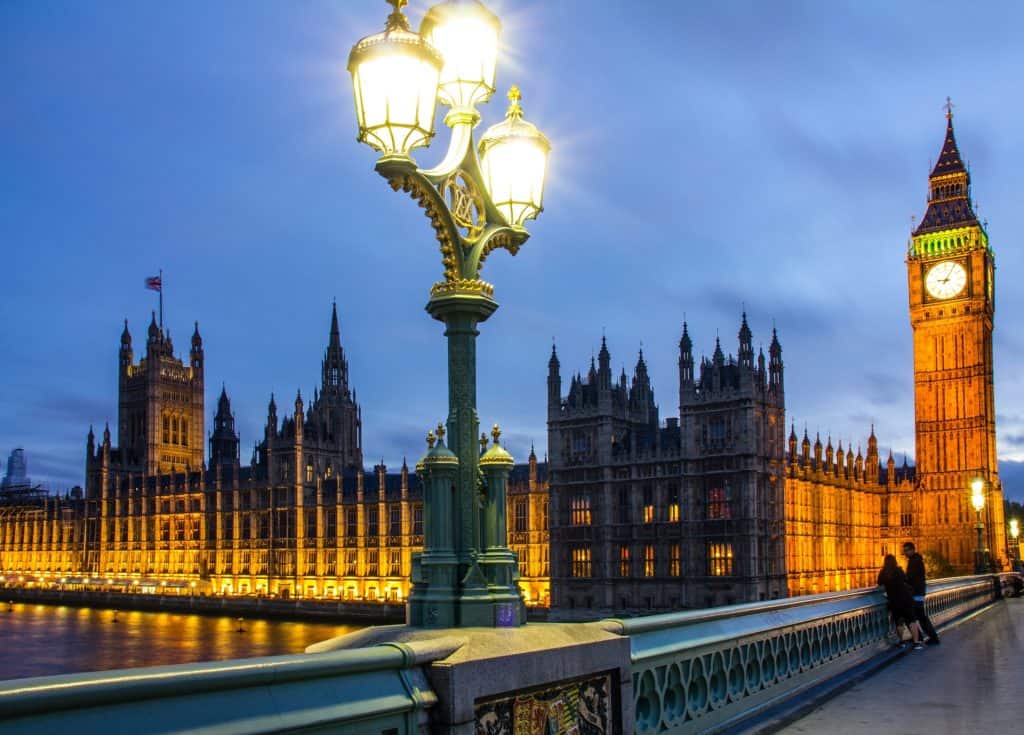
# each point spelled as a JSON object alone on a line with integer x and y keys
{"x": 184, "y": 432}
{"x": 174, "y": 429}
{"x": 167, "y": 429}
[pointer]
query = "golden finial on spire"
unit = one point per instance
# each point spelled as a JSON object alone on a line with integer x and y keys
{"x": 514, "y": 95}
{"x": 496, "y": 433}
{"x": 397, "y": 19}
{"x": 483, "y": 443}
{"x": 430, "y": 440}
{"x": 440, "y": 431}
{"x": 949, "y": 108}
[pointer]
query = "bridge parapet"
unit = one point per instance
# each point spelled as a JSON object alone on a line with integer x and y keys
{"x": 678, "y": 674}
{"x": 707, "y": 671}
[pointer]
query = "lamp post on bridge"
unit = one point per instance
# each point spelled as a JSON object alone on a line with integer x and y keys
{"x": 1014, "y": 534}
{"x": 476, "y": 203}
{"x": 978, "y": 502}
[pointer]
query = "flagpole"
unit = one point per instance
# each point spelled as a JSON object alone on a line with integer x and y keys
{"x": 161, "y": 292}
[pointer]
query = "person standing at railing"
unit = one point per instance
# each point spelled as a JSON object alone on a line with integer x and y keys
{"x": 901, "y": 600}
{"x": 916, "y": 578}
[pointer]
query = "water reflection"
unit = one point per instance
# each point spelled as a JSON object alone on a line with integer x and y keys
{"x": 41, "y": 640}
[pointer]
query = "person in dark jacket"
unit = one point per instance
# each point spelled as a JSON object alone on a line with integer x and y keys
{"x": 916, "y": 578}
{"x": 901, "y": 599}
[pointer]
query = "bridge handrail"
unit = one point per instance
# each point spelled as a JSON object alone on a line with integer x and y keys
{"x": 402, "y": 692}
{"x": 706, "y": 670}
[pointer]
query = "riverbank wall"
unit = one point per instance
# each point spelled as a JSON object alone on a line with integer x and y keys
{"x": 247, "y": 607}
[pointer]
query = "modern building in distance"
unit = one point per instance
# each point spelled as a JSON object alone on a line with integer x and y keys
{"x": 16, "y": 477}
{"x": 303, "y": 518}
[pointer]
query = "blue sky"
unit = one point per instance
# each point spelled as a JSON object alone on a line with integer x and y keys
{"x": 706, "y": 157}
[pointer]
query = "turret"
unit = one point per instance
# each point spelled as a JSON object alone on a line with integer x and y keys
{"x": 805, "y": 450}
{"x": 718, "y": 359}
{"x": 746, "y": 350}
{"x": 196, "y": 354}
{"x": 859, "y": 467}
{"x": 554, "y": 384}
{"x": 299, "y": 418}
{"x": 792, "y": 443}
{"x": 604, "y": 367}
{"x": 126, "y": 349}
{"x": 533, "y": 469}
{"x": 890, "y": 465}
{"x": 154, "y": 331}
{"x": 90, "y": 444}
{"x": 829, "y": 452}
{"x": 775, "y": 382}
{"x": 685, "y": 359}
{"x": 871, "y": 462}
{"x": 224, "y": 441}
{"x": 272, "y": 417}
{"x": 334, "y": 368}
{"x": 817, "y": 452}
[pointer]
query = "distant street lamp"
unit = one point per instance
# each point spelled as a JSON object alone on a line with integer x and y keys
{"x": 1014, "y": 534}
{"x": 978, "y": 501}
{"x": 477, "y": 201}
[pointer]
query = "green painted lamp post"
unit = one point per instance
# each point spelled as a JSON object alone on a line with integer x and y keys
{"x": 476, "y": 202}
{"x": 981, "y": 565}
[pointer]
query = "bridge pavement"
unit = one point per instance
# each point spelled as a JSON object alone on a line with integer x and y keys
{"x": 972, "y": 683}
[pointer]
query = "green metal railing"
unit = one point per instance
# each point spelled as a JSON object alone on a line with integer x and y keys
{"x": 370, "y": 691}
{"x": 707, "y": 671}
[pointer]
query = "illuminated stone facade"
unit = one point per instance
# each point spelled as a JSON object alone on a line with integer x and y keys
{"x": 690, "y": 514}
{"x": 303, "y": 519}
{"x": 951, "y": 287}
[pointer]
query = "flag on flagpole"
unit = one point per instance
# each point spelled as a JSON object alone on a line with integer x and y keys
{"x": 154, "y": 283}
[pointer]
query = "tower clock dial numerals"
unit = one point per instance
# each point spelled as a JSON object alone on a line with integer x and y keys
{"x": 945, "y": 280}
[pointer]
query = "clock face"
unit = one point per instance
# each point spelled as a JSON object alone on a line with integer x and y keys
{"x": 945, "y": 280}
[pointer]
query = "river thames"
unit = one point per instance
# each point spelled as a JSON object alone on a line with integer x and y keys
{"x": 42, "y": 640}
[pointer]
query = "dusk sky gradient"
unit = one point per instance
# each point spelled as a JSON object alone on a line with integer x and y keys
{"x": 706, "y": 157}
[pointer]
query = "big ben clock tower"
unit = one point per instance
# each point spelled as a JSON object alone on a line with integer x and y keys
{"x": 950, "y": 273}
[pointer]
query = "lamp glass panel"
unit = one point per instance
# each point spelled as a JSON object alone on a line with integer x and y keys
{"x": 977, "y": 500}
{"x": 470, "y": 49}
{"x": 395, "y": 98}
{"x": 514, "y": 170}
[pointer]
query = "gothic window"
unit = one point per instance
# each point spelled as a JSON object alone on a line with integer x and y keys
{"x": 673, "y": 503}
{"x": 906, "y": 511}
{"x": 309, "y": 472}
{"x": 522, "y": 512}
{"x": 648, "y": 504}
{"x": 174, "y": 429}
{"x": 395, "y": 567}
{"x": 351, "y": 523}
{"x": 579, "y": 510}
{"x": 719, "y": 507}
{"x": 395, "y": 521}
{"x": 545, "y": 565}
{"x": 624, "y": 560}
{"x": 372, "y": 521}
{"x": 417, "y": 520}
{"x": 581, "y": 561}
{"x": 184, "y": 433}
{"x": 885, "y": 513}
{"x": 623, "y": 507}
{"x": 351, "y": 563}
{"x": 649, "y": 560}
{"x": 167, "y": 429}
{"x": 675, "y": 561}
{"x": 372, "y": 556}
{"x": 719, "y": 559}
{"x": 544, "y": 516}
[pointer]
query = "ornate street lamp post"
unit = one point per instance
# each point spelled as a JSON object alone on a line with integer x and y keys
{"x": 978, "y": 502}
{"x": 476, "y": 202}
{"x": 1014, "y": 534}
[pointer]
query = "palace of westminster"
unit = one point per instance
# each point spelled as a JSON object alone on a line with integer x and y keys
{"x": 717, "y": 505}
